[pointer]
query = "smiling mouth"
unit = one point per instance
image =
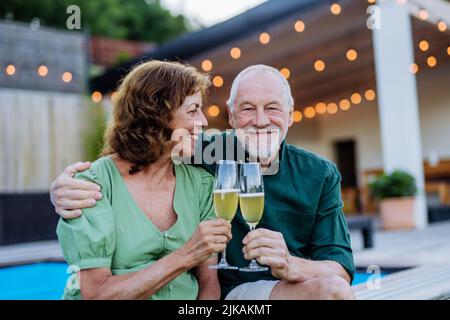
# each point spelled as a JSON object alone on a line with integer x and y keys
{"x": 261, "y": 131}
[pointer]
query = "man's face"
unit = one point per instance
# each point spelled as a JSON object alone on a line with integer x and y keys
{"x": 261, "y": 110}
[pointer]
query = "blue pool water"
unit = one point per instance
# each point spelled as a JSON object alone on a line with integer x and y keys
{"x": 46, "y": 281}
{"x": 38, "y": 281}
{"x": 361, "y": 277}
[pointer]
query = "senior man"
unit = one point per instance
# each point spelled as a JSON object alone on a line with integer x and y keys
{"x": 303, "y": 235}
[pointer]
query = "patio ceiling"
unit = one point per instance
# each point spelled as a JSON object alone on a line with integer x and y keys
{"x": 326, "y": 37}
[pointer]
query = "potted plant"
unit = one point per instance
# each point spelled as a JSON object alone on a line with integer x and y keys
{"x": 396, "y": 192}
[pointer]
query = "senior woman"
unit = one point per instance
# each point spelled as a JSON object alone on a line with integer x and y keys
{"x": 152, "y": 235}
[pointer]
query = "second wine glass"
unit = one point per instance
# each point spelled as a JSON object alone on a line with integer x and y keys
{"x": 251, "y": 202}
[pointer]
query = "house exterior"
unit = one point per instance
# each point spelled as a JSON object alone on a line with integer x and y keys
{"x": 369, "y": 79}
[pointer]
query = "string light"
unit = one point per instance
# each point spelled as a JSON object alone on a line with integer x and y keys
{"x": 448, "y": 50}
{"x": 321, "y": 108}
{"x": 401, "y": 1}
{"x": 235, "y": 53}
{"x": 370, "y": 95}
{"x": 414, "y": 68}
{"x": 96, "y": 96}
{"x": 299, "y": 26}
{"x": 319, "y": 65}
{"x": 113, "y": 96}
{"x": 423, "y": 14}
{"x": 10, "y": 70}
{"x": 432, "y": 61}
{"x": 356, "y": 98}
{"x": 310, "y": 112}
{"x": 213, "y": 111}
{"x": 207, "y": 65}
{"x": 442, "y": 26}
{"x": 297, "y": 116}
{"x": 352, "y": 55}
{"x": 43, "y": 71}
{"x": 424, "y": 45}
{"x": 335, "y": 9}
{"x": 67, "y": 77}
{"x": 285, "y": 72}
{"x": 344, "y": 104}
{"x": 264, "y": 38}
{"x": 371, "y": 1}
{"x": 332, "y": 108}
{"x": 218, "y": 81}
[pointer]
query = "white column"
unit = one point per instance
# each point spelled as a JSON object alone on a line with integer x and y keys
{"x": 397, "y": 98}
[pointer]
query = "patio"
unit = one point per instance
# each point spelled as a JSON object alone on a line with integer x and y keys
{"x": 426, "y": 250}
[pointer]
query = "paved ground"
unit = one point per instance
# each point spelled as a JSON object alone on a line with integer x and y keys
{"x": 426, "y": 250}
{"x": 429, "y": 246}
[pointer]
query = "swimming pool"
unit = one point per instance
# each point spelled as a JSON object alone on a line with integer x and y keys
{"x": 37, "y": 281}
{"x": 46, "y": 281}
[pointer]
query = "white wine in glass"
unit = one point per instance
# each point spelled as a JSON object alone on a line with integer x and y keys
{"x": 252, "y": 207}
{"x": 251, "y": 201}
{"x": 226, "y": 197}
{"x": 225, "y": 203}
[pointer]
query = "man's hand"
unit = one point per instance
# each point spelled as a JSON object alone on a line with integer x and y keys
{"x": 70, "y": 195}
{"x": 269, "y": 248}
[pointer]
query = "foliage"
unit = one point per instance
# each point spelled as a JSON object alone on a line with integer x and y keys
{"x": 93, "y": 134}
{"x": 143, "y": 20}
{"x": 396, "y": 184}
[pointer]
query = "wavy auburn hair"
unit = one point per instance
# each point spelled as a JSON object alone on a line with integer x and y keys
{"x": 143, "y": 107}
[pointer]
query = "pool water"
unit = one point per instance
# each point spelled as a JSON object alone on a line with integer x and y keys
{"x": 37, "y": 281}
{"x": 361, "y": 277}
{"x": 46, "y": 281}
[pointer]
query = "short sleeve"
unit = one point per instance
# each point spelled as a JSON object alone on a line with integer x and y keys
{"x": 206, "y": 196}
{"x": 330, "y": 239}
{"x": 89, "y": 241}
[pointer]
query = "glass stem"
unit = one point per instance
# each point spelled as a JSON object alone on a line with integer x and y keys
{"x": 224, "y": 257}
{"x": 253, "y": 263}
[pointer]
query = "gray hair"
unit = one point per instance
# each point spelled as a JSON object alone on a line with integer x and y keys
{"x": 260, "y": 68}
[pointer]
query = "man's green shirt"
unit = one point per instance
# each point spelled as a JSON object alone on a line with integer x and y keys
{"x": 302, "y": 201}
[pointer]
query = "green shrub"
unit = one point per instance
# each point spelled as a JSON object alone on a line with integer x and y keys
{"x": 95, "y": 128}
{"x": 396, "y": 184}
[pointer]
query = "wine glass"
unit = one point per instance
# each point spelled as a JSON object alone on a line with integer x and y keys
{"x": 226, "y": 191}
{"x": 251, "y": 201}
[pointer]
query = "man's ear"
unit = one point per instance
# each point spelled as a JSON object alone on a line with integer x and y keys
{"x": 291, "y": 116}
{"x": 230, "y": 117}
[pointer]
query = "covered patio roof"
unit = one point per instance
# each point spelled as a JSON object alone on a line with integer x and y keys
{"x": 297, "y": 35}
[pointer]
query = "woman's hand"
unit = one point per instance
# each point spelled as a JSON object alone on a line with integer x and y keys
{"x": 210, "y": 237}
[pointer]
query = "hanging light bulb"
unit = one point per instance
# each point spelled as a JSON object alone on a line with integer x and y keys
{"x": 299, "y": 26}
{"x": 206, "y": 65}
{"x": 309, "y": 112}
{"x": 335, "y": 8}
{"x": 297, "y": 116}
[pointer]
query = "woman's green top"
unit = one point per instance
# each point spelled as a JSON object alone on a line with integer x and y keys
{"x": 116, "y": 234}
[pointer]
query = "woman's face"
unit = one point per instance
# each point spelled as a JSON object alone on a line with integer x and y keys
{"x": 187, "y": 123}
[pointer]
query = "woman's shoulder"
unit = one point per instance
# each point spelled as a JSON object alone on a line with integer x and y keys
{"x": 100, "y": 172}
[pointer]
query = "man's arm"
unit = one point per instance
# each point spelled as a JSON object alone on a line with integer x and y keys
{"x": 70, "y": 195}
